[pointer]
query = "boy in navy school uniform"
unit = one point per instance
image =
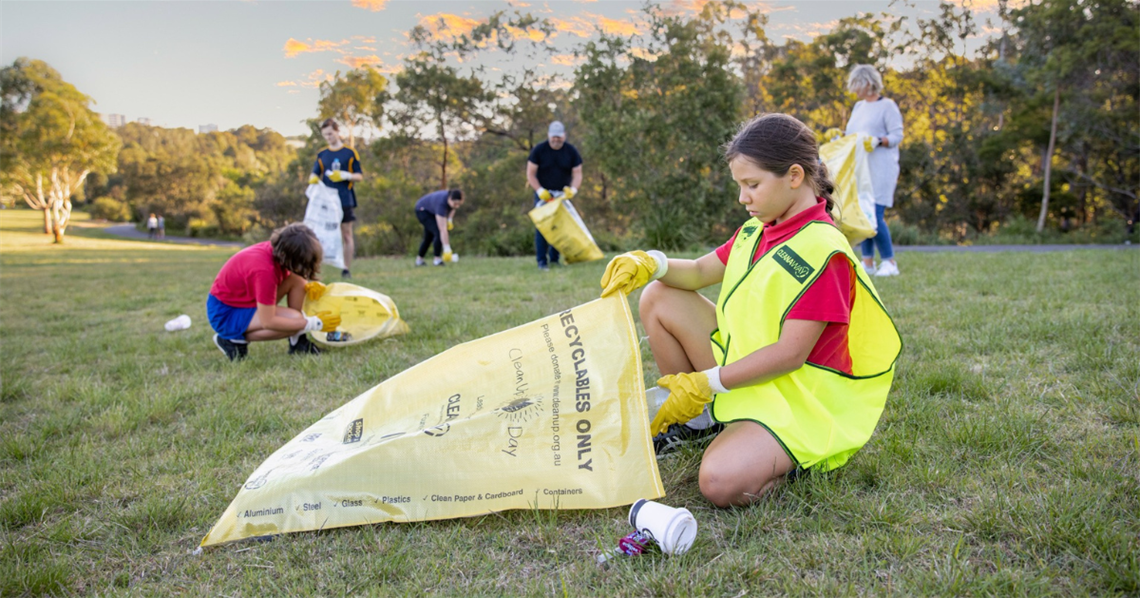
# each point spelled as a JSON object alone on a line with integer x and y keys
{"x": 338, "y": 167}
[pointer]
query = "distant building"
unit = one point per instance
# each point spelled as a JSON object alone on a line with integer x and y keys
{"x": 142, "y": 120}
{"x": 211, "y": 128}
{"x": 114, "y": 120}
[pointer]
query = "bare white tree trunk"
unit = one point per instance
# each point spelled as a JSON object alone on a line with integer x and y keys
{"x": 1049, "y": 160}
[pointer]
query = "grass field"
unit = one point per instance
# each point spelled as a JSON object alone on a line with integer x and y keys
{"x": 1007, "y": 461}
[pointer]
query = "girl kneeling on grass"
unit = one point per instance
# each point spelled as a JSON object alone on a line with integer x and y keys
{"x": 802, "y": 353}
{"x": 242, "y": 305}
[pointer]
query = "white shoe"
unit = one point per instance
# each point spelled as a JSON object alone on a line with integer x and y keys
{"x": 887, "y": 268}
{"x": 869, "y": 269}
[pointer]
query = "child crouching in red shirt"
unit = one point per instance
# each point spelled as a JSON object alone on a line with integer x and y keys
{"x": 242, "y": 305}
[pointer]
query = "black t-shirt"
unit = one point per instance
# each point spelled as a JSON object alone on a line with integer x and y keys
{"x": 554, "y": 166}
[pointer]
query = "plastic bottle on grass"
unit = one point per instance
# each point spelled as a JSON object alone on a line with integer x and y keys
{"x": 337, "y": 336}
{"x": 655, "y": 397}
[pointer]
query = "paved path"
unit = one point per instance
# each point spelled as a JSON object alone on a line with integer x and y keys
{"x": 129, "y": 231}
{"x": 1000, "y": 248}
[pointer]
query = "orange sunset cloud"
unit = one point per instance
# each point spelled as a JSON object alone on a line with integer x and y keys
{"x": 373, "y": 5}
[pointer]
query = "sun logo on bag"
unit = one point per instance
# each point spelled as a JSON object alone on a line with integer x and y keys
{"x": 521, "y": 410}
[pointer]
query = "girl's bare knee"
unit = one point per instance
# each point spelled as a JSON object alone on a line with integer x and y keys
{"x": 725, "y": 485}
{"x": 650, "y": 297}
{"x": 715, "y": 489}
{"x": 719, "y": 486}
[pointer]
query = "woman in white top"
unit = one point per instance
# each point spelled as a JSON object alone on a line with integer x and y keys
{"x": 879, "y": 117}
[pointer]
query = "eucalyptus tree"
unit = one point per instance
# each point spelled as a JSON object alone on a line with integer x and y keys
{"x": 52, "y": 141}
{"x": 658, "y": 112}
{"x": 355, "y": 99}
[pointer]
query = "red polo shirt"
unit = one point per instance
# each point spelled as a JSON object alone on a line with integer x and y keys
{"x": 250, "y": 277}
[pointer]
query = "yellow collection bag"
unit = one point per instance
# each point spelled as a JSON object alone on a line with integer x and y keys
{"x": 364, "y": 313}
{"x": 548, "y": 415}
{"x": 846, "y": 161}
{"x": 563, "y": 228}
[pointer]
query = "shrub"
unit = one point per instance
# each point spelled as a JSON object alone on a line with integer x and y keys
{"x": 109, "y": 208}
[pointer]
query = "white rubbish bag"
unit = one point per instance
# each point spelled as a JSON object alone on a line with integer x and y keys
{"x": 323, "y": 215}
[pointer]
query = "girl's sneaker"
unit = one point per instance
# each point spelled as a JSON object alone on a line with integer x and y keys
{"x": 869, "y": 269}
{"x": 304, "y": 346}
{"x": 678, "y": 435}
{"x": 887, "y": 268}
{"x": 235, "y": 351}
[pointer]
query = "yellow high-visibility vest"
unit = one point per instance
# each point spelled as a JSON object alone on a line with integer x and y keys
{"x": 819, "y": 415}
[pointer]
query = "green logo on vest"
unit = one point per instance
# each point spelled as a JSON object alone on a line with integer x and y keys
{"x": 748, "y": 230}
{"x": 793, "y": 263}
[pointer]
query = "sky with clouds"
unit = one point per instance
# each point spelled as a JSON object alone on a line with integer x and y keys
{"x": 230, "y": 62}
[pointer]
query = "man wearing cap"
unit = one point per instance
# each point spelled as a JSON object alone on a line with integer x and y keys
{"x": 553, "y": 166}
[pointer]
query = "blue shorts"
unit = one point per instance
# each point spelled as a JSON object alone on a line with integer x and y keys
{"x": 229, "y": 322}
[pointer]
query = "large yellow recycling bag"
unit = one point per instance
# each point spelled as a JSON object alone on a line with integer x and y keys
{"x": 548, "y": 415}
{"x": 563, "y": 228}
{"x": 364, "y": 313}
{"x": 846, "y": 161}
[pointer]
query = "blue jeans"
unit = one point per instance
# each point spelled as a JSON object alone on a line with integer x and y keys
{"x": 882, "y": 238}
{"x": 542, "y": 248}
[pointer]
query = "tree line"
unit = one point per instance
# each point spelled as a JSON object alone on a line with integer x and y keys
{"x": 1039, "y": 128}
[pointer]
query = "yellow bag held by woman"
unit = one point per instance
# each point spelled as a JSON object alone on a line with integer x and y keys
{"x": 846, "y": 160}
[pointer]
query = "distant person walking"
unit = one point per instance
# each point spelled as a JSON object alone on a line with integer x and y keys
{"x": 152, "y": 227}
{"x": 878, "y": 117}
{"x": 554, "y": 165}
{"x": 435, "y": 211}
{"x": 338, "y": 167}
{"x": 161, "y": 227}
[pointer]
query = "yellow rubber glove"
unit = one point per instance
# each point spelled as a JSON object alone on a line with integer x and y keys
{"x": 869, "y": 144}
{"x": 628, "y": 272}
{"x": 569, "y": 192}
{"x": 314, "y": 179}
{"x": 337, "y": 176}
{"x": 832, "y": 134}
{"x": 544, "y": 195}
{"x": 329, "y": 320}
{"x": 688, "y": 395}
{"x": 314, "y": 290}
{"x": 446, "y": 253}
{"x": 450, "y": 224}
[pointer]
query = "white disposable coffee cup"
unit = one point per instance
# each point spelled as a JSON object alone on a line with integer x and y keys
{"x": 673, "y": 529}
{"x": 182, "y": 322}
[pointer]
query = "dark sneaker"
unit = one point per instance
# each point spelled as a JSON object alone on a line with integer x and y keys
{"x": 345, "y": 274}
{"x": 678, "y": 435}
{"x": 304, "y": 346}
{"x": 235, "y": 351}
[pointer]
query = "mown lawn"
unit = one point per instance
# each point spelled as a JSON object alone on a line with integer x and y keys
{"x": 1007, "y": 461}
